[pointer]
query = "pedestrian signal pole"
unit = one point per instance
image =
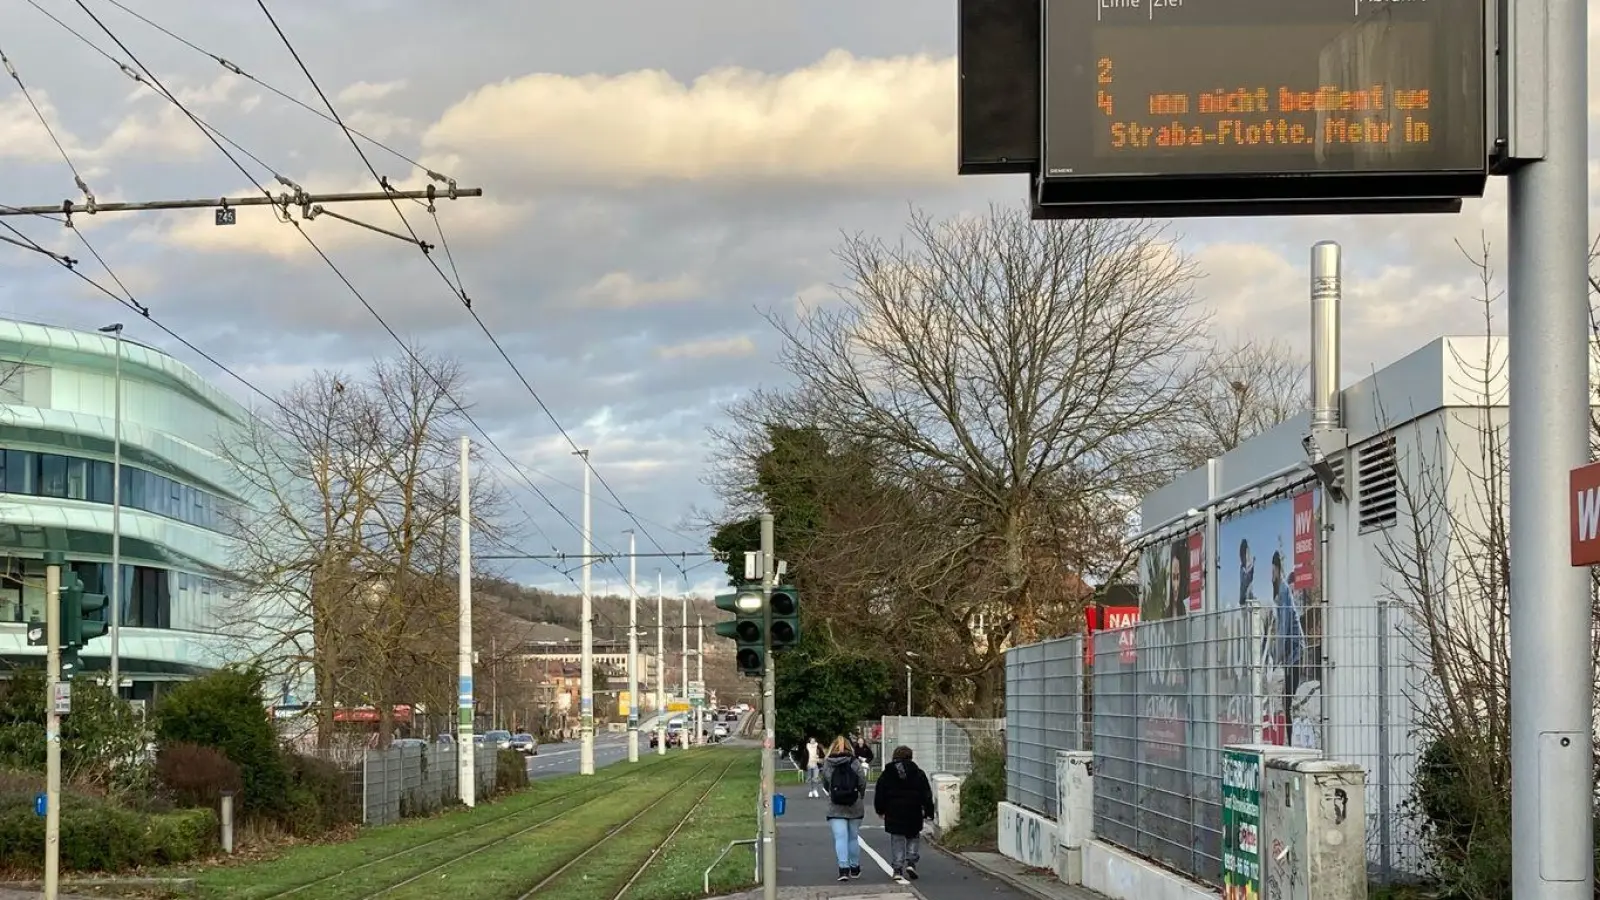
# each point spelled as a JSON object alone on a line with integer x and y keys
{"x": 769, "y": 821}
{"x": 53, "y": 561}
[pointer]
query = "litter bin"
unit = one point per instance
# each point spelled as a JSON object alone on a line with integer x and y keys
{"x": 779, "y": 804}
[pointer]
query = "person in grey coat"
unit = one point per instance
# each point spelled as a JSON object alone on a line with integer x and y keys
{"x": 844, "y": 782}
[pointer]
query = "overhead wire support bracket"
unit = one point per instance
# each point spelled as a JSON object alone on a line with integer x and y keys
{"x": 61, "y": 258}
{"x": 316, "y": 210}
{"x": 303, "y": 199}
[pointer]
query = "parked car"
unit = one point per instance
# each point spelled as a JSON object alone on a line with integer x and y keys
{"x": 407, "y": 743}
{"x": 525, "y": 743}
{"x": 500, "y": 739}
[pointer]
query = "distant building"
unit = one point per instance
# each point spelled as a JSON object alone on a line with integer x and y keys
{"x": 57, "y": 425}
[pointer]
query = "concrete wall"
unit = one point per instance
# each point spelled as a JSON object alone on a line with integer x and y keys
{"x": 1123, "y": 876}
{"x": 1027, "y": 837}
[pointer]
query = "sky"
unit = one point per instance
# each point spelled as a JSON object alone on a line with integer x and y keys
{"x": 656, "y": 177}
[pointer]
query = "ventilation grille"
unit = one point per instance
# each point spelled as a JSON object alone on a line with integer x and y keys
{"x": 1377, "y": 484}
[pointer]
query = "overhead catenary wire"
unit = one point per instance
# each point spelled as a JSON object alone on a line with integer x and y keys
{"x": 155, "y": 82}
{"x": 454, "y": 286}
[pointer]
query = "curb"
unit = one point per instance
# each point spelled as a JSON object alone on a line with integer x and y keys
{"x": 1016, "y": 883}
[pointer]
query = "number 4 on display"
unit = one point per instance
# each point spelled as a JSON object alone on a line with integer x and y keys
{"x": 1104, "y": 102}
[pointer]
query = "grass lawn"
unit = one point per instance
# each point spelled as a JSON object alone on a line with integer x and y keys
{"x": 419, "y": 844}
{"x": 502, "y": 850}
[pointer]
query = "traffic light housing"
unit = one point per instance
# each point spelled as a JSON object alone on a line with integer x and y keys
{"x": 745, "y": 603}
{"x": 785, "y": 616}
{"x": 82, "y": 613}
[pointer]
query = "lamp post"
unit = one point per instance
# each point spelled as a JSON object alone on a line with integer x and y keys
{"x": 586, "y": 677}
{"x": 114, "y": 594}
{"x": 910, "y": 654}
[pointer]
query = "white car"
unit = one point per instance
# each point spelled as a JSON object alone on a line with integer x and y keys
{"x": 719, "y": 731}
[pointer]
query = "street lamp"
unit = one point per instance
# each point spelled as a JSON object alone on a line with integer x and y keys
{"x": 911, "y": 654}
{"x": 114, "y": 595}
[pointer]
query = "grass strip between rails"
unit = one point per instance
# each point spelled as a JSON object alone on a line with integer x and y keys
{"x": 512, "y": 867}
{"x": 729, "y": 814}
{"x": 603, "y": 873}
{"x": 306, "y": 864}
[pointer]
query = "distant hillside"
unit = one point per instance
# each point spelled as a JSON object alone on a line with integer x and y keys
{"x": 610, "y": 611}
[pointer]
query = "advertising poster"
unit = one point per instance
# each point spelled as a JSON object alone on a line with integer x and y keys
{"x": 1271, "y": 563}
{"x": 1112, "y": 618}
{"x": 1172, "y": 577}
{"x": 1241, "y": 825}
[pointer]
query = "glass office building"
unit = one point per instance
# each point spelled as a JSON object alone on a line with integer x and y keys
{"x": 57, "y": 430}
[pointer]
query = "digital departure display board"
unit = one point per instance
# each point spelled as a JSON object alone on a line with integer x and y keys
{"x": 1262, "y": 98}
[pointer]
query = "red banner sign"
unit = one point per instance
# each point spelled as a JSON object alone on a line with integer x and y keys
{"x": 1305, "y": 541}
{"x": 1197, "y": 572}
{"x": 1112, "y": 618}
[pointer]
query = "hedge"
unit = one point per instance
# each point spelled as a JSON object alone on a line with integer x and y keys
{"x": 96, "y": 837}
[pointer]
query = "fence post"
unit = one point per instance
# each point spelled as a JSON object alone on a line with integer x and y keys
{"x": 1385, "y": 853}
{"x": 366, "y": 780}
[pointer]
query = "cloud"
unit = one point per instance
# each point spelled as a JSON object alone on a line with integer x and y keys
{"x": 842, "y": 119}
{"x": 368, "y": 92}
{"x": 622, "y": 290}
{"x": 736, "y": 347}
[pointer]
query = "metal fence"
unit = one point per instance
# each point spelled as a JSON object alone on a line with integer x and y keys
{"x": 940, "y": 745}
{"x": 1166, "y": 696}
{"x": 401, "y": 782}
{"x": 1045, "y": 714}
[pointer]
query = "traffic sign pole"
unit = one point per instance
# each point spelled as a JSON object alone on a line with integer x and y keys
{"x": 1552, "y": 681}
{"x": 769, "y": 821}
{"x": 53, "y": 561}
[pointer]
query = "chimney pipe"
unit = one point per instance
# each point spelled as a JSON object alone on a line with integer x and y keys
{"x": 1326, "y": 291}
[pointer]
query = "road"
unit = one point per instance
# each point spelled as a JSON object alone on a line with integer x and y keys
{"x": 562, "y": 759}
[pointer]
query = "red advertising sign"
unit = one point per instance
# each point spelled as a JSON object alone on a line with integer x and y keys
{"x": 1584, "y": 497}
{"x": 1111, "y": 618}
{"x": 1305, "y": 541}
{"x": 1197, "y": 572}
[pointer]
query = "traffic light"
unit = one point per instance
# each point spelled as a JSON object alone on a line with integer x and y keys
{"x": 745, "y": 603}
{"x": 785, "y": 617}
{"x": 82, "y": 613}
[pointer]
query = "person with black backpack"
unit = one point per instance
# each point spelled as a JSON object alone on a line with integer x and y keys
{"x": 904, "y": 799}
{"x": 845, "y": 780}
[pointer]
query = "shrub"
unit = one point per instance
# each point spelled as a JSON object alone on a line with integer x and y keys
{"x": 100, "y": 838}
{"x": 320, "y": 796}
{"x": 1460, "y": 795}
{"x": 510, "y": 771}
{"x": 224, "y": 710}
{"x": 102, "y": 741}
{"x": 197, "y": 776}
{"x": 985, "y": 786}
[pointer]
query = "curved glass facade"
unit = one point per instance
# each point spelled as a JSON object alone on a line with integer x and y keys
{"x": 58, "y": 440}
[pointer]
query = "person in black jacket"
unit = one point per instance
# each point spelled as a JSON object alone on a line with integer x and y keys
{"x": 904, "y": 799}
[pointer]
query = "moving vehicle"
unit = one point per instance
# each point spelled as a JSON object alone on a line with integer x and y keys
{"x": 719, "y": 731}
{"x": 730, "y": 716}
{"x": 499, "y": 738}
{"x": 525, "y": 743}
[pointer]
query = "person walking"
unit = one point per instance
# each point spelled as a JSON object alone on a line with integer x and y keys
{"x": 863, "y": 751}
{"x": 904, "y": 800}
{"x": 814, "y": 766}
{"x": 845, "y": 780}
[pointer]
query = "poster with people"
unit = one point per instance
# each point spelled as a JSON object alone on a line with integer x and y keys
{"x": 1271, "y": 562}
{"x": 1172, "y": 578}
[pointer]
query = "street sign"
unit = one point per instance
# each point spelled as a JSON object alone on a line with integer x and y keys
{"x": 1584, "y": 496}
{"x": 1138, "y": 108}
{"x": 63, "y": 697}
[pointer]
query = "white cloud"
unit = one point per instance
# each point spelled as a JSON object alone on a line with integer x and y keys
{"x": 735, "y": 347}
{"x": 367, "y": 92}
{"x": 622, "y": 290}
{"x": 842, "y": 119}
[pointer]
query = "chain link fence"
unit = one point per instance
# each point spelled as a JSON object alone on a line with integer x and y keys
{"x": 1045, "y": 714}
{"x": 940, "y": 745}
{"x": 1162, "y": 699}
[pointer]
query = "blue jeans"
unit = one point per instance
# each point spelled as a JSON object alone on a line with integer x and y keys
{"x": 846, "y": 841}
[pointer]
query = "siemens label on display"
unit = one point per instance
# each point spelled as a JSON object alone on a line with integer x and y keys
{"x": 1236, "y": 100}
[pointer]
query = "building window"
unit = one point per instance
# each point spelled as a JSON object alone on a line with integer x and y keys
{"x": 74, "y": 478}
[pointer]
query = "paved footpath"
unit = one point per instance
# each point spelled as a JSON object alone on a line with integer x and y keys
{"x": 806, "y": 859}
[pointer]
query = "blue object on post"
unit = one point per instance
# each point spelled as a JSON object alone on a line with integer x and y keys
{"x": 41, "y": 804}
{"x": 779, "y": 803}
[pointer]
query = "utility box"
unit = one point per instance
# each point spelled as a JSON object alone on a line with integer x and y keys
{"x": 1075, "y": 811}
{"x": 1314, "y": 821}
{"x": 946, "y": 802}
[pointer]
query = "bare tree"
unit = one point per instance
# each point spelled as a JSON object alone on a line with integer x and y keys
{"x": 347, "y": 558}
{"x": 1009, "y": 384}
{"x": 1241, "y": 391}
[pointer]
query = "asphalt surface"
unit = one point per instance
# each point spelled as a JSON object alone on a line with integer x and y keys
{"x": 806, "y": 858}
{"x": 609, "y": 748}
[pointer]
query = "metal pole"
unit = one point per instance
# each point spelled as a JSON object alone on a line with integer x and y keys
{"x": 466, "y": 770}
{"x": 635, "y": 696}
{"x": 661, "y": 669}
{"x": 586, "y": 689}
{"x": 1552, "y": 685}
{"x": 769, "y": 822}
{"x": 683, "y": 661}
{"x": 700, "y": 720}
{"x": 909, "y": 713}
{"x": 53, "y": 561}
{"x": 114, "y": 594}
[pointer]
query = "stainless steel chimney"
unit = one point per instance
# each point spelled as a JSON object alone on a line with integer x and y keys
{"x": 1327, "y": 289}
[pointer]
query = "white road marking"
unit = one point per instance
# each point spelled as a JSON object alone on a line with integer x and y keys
{"x": 882, "y": 863}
